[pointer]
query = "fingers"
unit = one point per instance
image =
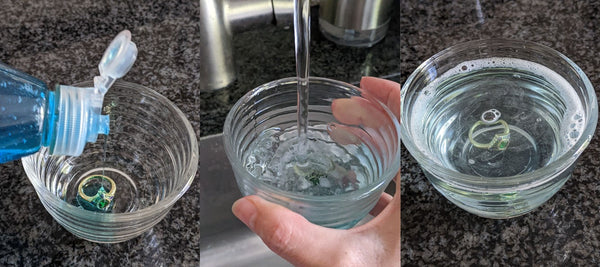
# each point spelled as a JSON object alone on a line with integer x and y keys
{"x": 387, "y": 221}
{"x": 386, "y": 199}
{"x": 358, "y": 111}
{"x": 386, "y": 91}
{"x": 385, "y": 228}
{"x": 383, "y": 201}
{"x": 361, "y": 111}
{"x": 288, "y": 234}
{"x": 345, "y": 135}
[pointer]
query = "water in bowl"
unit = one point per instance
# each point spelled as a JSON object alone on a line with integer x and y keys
{"x": 543, "y": 116}
{"x": 300, "y": 160}
{"x": 317, "y": 167}
{"x": 137, "y": 187}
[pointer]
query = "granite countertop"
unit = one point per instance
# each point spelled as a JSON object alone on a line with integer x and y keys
{"x": 62, "y": 42}
{"x": 564, "y": 231}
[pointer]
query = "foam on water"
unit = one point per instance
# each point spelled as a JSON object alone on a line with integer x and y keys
{"x": 317, "y": 167}
{"x": 571, "y": 124}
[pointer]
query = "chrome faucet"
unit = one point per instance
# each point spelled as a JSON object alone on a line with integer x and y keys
{"x": 346, "y": 22}
{"x": 219, "y": 19}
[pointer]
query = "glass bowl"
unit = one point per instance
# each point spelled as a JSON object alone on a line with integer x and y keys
{"x": 151, "y": 154}
{"x": 338, "y": 176}
{"x": 497, "y": 125}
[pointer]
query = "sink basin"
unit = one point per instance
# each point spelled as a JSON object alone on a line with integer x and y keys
{"x": 224, "y": 240}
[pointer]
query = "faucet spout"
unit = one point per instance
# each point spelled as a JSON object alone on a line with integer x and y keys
{"x": 216, "y": 68}
{"x": 219, "y": 19}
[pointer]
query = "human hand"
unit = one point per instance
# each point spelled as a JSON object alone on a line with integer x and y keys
{"x": 291, "y": 236}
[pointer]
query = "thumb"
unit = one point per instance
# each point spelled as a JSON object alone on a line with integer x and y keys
{"x": 287, "y": 233}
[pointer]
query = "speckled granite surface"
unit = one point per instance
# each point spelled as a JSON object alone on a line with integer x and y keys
{"x": 63, "y": 42}
{"x": 565, "y": 231}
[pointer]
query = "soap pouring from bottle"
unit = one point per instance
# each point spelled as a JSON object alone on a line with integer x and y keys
{"x": 64, "y": 119}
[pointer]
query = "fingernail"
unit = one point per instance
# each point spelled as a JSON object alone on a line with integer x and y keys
{"x": 244, "y": 210}
{"x": 362, "y": 80}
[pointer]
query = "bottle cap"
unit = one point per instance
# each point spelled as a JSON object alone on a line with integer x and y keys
{"x": 79, "y": 119}
{"x": 116, "y": 62}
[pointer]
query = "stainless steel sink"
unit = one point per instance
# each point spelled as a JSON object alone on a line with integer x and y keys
{"x": 224, "y": 240}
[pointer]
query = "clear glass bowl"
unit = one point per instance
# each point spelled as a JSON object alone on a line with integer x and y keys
{"x": 151, "y": 153}
{"x": 261, "y": 127}
{"x": 497, "y": 125}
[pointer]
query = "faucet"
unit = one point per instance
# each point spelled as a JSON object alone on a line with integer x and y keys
{"x": 219, "y": 19}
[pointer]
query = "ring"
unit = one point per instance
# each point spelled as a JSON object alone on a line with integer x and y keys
{"x": 102, "y": 198}
{"x": 500, "y": 141}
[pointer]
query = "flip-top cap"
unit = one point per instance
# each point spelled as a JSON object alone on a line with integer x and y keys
{"x": 80, "y": 118}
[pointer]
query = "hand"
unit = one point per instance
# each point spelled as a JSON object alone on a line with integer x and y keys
{"x": 291, "y": 236}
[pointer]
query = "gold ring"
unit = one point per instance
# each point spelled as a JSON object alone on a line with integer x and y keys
{"x": 500, "y": 141}
{"x": 102, "y": 198}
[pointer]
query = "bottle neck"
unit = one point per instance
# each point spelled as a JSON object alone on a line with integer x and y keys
{"x": 73, "y": 119}
{"x": 50, "y": 118}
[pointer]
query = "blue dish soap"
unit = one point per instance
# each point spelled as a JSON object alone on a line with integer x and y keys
{"x": 64, "y": 119}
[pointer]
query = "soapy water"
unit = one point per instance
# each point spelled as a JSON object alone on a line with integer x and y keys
{"x": 305, "y": 159}
{"x": 541, "y": 109}
{"x": 319, "y": 167}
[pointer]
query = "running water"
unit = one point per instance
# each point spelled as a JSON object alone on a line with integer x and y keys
{"x": 104, "y": 153}
{"x": 302, "y": 41}
{"x": 302, "y": 160}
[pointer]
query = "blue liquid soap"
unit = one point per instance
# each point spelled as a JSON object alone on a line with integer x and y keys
{"x": 27, "y": 109}
{"x": 64, "y": 119}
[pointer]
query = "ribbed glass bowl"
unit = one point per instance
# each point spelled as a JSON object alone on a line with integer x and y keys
{"x": 546, "y": 102}
{"x": 269, "y": 112}
{"x": 151, "y": 153}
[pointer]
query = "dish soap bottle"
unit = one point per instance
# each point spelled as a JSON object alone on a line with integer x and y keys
{"x": 64, "y": 119}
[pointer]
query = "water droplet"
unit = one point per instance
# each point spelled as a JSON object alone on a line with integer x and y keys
{"x": 522, "y": 116}
{"x": 577, "y": 117}
{"x": 19, "y": 99}
{"x": 464, "y": 67}
{"x": 538, "y": 120}
{"x": 2, "y": 108}
{"x": 471, "y": 161}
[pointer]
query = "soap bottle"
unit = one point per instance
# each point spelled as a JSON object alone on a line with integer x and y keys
{"x": 63, "y": 119}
